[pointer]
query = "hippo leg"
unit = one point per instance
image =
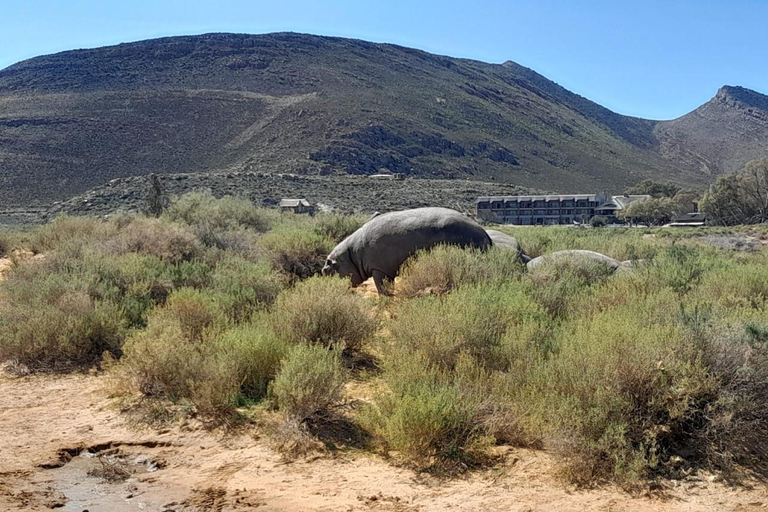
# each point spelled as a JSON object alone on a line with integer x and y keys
{"x": 381, "y": 280}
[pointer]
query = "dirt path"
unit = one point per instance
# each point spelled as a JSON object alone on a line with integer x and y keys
{"x": 54, "y": 431}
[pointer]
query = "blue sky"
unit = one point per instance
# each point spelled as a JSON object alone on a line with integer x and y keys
{"x": 655, "y": 59}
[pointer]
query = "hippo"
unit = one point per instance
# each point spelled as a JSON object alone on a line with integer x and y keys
{"x": 626, "y": 267}
{"x": 575, "y": 256}
{"x": 382, "y": 244}
{"x": 507, "y": 242}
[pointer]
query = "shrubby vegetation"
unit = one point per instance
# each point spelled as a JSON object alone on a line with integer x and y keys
{"x": 625, "y": 377}
{"x": 739, "y": 198}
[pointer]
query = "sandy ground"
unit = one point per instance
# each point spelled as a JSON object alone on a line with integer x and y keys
{"x": 53, "y": 429}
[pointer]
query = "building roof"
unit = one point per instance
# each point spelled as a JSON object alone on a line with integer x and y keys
{"x": 293, "y": 203}
{"x": 694, "y": 217}
{"x": 623, "y": 201}
{"x": 589, "y": 197}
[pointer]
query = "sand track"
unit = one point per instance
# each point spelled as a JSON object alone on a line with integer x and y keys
{"x": 55, "y": 430}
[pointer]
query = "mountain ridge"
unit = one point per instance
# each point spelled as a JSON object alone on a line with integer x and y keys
{"x": 306, "y": 104}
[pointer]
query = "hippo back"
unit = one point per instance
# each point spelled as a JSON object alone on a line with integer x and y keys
{"x": 575, "y": 256}
{"x": 387, "y": 240}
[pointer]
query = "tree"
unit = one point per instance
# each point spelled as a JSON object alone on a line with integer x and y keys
{"x": 739, "y": 198}
{"x": 653, "y": 189}
{"x": 155, "y": 200}
{"x": 652, "y": 212}
{"x": 685, "y": 200}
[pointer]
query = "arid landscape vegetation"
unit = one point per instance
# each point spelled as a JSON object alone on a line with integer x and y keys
{"x": 196, "y": 361}
{"x": 279, "y": 271}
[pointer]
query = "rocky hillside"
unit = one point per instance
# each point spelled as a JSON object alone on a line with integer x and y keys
{"x": 292, "y": 103}
{"x": 350, "y": 194}
{"x": 721, "y": 135}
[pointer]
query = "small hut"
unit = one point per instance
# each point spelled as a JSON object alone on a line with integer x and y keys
{"x": 296, "y": 206}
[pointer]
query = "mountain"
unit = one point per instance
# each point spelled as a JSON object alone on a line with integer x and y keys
{"x": 303, "y": 104}
{"x": 722, "y": 135}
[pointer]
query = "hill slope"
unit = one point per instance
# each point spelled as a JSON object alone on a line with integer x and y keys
{"x": 309, "y": 104}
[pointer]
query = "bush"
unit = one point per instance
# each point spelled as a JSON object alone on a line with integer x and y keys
{"x": 735, "y": 287}
{"x": 309, "y": 383}
{"x": 179, "y": 357}
{"x": 245, "y": 286}
{"x": 325, "y": 311}
{"x": 197, "y": 312}
{"x": 620, "y": 396}
{"x": 336, "y": 226}
{"x": 427, "y": 418}
{"x": 254, "y": 352}
{"x": 298, "y": 251}
{"x": 156, "y": 237}
{"x": 483, "y": 322}
{"x": 64, "y": 229}
{"x": 678, "y": 267}
{"x": 558, "y": 284}
{"x": 208, "y": 215}
{"x": 53, "y": 323}
{"x": 735, "y": 435}
{"x": 161, "y": 361}
{"x": 6, "y": 244}
{"x": 445, "y": 268}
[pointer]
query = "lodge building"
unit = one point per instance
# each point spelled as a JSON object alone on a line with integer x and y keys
{"x": 552, "y": 209}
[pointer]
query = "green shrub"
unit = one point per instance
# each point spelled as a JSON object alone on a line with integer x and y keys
{"x": 214, "y": 371}
{"x": 737, "y": 286}
{"x": 337, "y": 226}
{"x": 678, "y": 267}
{"x": 300, "y": 252}
{"x": 156, "y": 237}
{"x": 444, "y": 268}
{"x": 558, "y": 284}
{"x": 136, "y": 282}
{"x": 255, "y": 353}
{"x": 245, "y": 286}
{"x": 483, "y": 321}
{"x": 197, "y": 312}
{"x": 309, "y": 383}
{"x": 325, "y": 311}
{"x": 620, "y": 396}
{"x": 53, "y": 323}
{"x": 208, "y": 215}
{"x": 63, "y": 229}
{"x": 427, "y": 418}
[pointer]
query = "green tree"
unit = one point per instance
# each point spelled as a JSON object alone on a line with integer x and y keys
{"x": 739, "y": 198}
{"x": 155, "y": 199}
{"x": 653, "y": 188}
{"x": 652, "y": 212}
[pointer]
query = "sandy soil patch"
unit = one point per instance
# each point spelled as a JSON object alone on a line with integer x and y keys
{"x": 65, "y": 446}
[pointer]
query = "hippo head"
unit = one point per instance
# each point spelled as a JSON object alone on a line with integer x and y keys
{"x": 340, "y": 263}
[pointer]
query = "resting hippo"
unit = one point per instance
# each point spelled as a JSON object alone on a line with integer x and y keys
{"x": 629, "y": 266}
{"x": 383, "y": 243}
{"x": 576, "y": 256}
{"x": 504, "y": 241}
